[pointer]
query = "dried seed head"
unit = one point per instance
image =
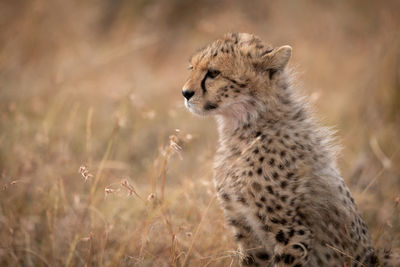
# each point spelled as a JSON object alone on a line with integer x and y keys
{"x": 151, "y": 197}
{"x": 173, "y": 145}
{"x": 131, "y": 189}
{"x": 108, "y": 191}
{"x": 84, "y": 171}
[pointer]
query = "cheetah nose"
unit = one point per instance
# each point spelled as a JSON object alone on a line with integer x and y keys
{"x": 187, "y": 94}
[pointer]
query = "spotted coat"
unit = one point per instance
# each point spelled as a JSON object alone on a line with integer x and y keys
{"x": 275, "y": 171}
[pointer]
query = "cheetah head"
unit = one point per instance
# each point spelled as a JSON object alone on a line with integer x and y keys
{"x": 226, "y": 76}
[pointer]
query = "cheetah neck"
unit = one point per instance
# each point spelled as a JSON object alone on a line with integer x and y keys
{"x": 242, "y": 112}
{"x": 261, "y": 111}
{"x": 285, "y": 113}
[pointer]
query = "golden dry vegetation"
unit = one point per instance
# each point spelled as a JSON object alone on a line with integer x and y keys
{"x": 93, "y": 170}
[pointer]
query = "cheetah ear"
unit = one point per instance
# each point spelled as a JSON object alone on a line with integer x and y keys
{"x": 279, "y": 58}
{"x": 274, "y": 61}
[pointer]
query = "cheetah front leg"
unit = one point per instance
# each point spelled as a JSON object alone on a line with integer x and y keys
{"x": 252, "y": 251}
{"x": 293, "y": 246}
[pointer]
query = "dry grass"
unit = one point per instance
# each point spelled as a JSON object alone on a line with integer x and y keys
{"x": 92, "y": 169}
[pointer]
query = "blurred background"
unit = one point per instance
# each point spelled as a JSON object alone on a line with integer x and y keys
{"x": 101, "y": 164}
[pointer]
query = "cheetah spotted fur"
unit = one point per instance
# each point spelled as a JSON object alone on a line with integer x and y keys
{"x": 274, "y": 171}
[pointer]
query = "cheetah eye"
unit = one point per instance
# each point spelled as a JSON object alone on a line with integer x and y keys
{"x": 190, "y": 67}
{"x": 213, "y": 73}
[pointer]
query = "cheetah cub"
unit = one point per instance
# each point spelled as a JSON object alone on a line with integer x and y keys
{"x": 275, "y": 170}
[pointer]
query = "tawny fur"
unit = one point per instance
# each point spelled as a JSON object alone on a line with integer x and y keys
{"x": 275, "y": 170}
